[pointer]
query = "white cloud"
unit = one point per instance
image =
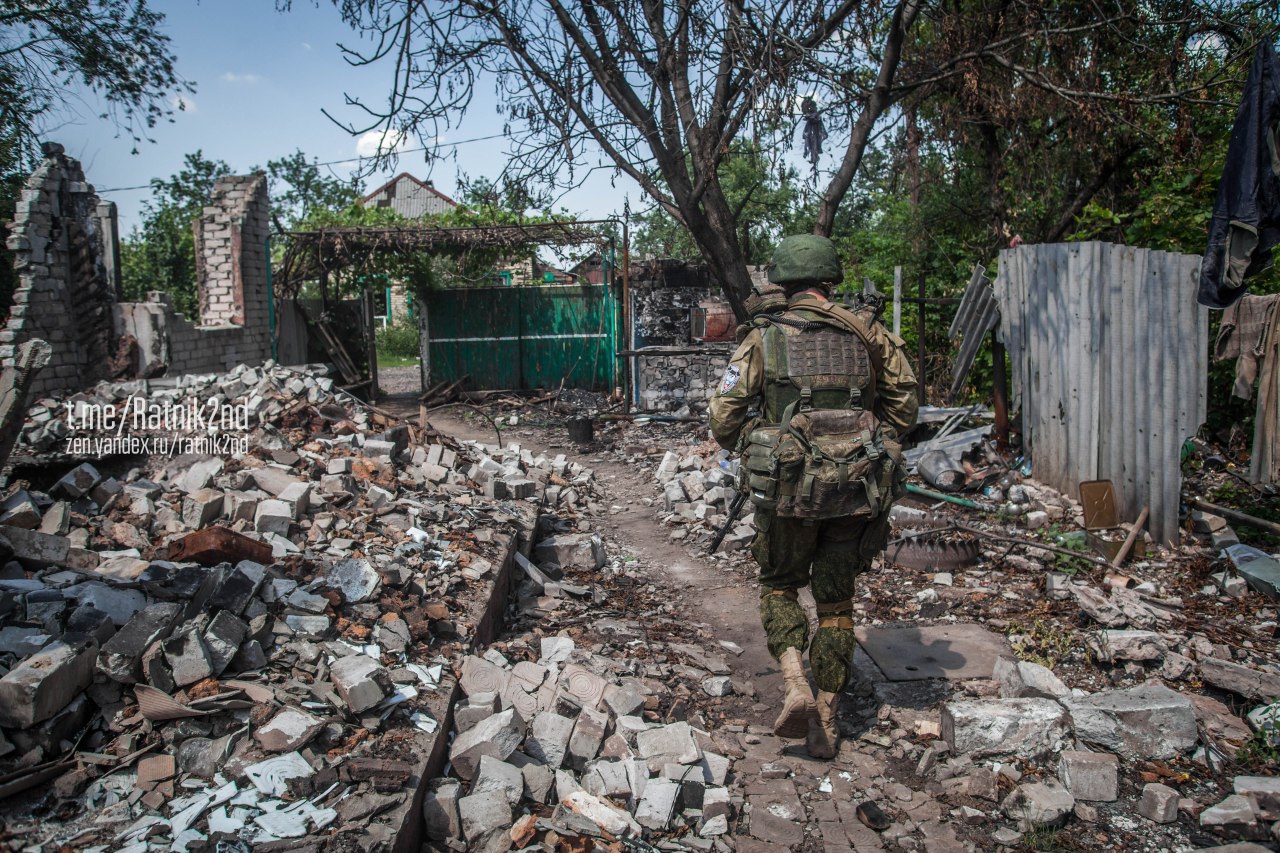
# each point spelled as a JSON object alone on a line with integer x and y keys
{"x": 183, "y": 103}
{"x": 381, "y": 141}
{"x": 306, "y": 45}
{"x": 232, "y": 77}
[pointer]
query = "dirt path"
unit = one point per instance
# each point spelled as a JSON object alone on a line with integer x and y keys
{"x": 707, "y": 591}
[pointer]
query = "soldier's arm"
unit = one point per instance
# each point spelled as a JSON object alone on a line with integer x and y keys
{"x": 896, "y": 394}
{"x": 740, "y": 385}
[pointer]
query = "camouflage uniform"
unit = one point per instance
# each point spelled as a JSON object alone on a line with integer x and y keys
{"x": 825, "y": 554}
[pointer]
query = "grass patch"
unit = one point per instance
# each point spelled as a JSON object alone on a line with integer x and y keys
{"x": 386, "y": 360}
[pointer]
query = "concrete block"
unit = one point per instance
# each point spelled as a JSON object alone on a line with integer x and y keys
{"x": 671, "y": 743}
{"x": 497, "y": 736}
{"x": 77, "y": 482}
{"x": 121, "y": 657}
{"x": 440, "y": 810}
{"x": 572, "y": 550}
{"x": 1159, "y": 803}
{"x": 1027, "y": 680}
{"x": 483, "y": 815}
{"x": 658, "y": 805}
{"x": 359, "y": 681}
{"x": 222, "y": 639}
{"x": 1109, "y": 646}
{"x": 500, "y": 777}
{"x": 290, "y": 729}
{"x": 201, "y": 508}
{"x": 588, "y": 735}
{"x": 43, "y": 684}
{"x": 1147, "y": 721}
{"x": 1039, "y": 804}
{"x": 273, "y": 516}
{"x": 1026, "y": 728}
{"x": 548, "y": 739}
{"x": 1234, "y": 817}
{"x": 1091, "y": 776}
{"x": 187, "y": 657}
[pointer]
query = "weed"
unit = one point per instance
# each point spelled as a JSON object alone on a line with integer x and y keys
{"x": 1041, "y": 642}
{"x": 1049, "y": 839}
{"x": 1259, "y": 753}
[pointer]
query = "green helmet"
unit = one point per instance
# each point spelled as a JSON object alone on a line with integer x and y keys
{"x": 805, "y": 257}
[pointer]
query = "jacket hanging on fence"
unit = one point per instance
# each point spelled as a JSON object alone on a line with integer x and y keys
{"x": 1246, "y": 214}
{"x": 1243, "y": 336}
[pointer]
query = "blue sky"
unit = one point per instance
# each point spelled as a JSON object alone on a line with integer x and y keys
{"x": 262, "y": 79}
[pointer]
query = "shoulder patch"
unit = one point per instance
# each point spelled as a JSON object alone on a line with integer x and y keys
{"x": 731, "y": 376}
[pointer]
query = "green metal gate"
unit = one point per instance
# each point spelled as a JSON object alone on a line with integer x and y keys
{"x": 523, "y": 337}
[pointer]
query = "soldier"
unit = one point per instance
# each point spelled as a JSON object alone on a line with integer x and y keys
{"x": 833, "y": 391}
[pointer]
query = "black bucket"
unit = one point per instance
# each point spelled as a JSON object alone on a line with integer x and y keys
{"x": 581, "y": 430}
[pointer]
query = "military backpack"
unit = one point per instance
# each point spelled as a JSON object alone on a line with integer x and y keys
{"x": 820, "y": 451}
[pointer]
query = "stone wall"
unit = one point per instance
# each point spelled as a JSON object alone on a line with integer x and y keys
{"x": 65, "y": 245}
{"x": 671, "y": 382}
{"x": 664, "y": 293}
{"x": 65, "y": 289}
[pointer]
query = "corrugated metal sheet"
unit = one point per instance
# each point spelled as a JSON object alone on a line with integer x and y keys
{"x": 977, "y": 315}
{"x": 1110, "y": 364}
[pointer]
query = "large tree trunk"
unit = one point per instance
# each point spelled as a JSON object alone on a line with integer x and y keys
{"x": 713, "y": 227}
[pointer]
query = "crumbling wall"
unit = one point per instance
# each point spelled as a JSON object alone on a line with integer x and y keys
{"x": 234, "y": 295}
{"x": 66, "y": 251}
{"x": 663, "y": 296}
{"x": 62, "y": 238}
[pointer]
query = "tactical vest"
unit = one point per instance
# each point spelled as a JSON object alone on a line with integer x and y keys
{"x": 821, "y": 453}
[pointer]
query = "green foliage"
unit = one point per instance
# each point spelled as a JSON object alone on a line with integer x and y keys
{"x": 1239, "y": 495}
{"x": 112, "y": 48}
{"x": 160, "y": 255}
{"x": 1258, "y": 754}
{"x": 298, "y": 189}
{"x": 765, "y": 197}
{"x": 399, "y": 340}
{"x": 11, "y": 181}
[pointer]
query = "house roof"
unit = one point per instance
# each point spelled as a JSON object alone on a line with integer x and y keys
{"x": 423, "y": 184}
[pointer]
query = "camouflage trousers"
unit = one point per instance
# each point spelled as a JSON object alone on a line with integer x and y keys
{"x": 827, "y": 556}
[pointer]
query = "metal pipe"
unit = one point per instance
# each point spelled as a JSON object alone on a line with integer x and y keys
{"x": 1132, "y": 537}
{"x": 628, "y": 321}
{"x": 939, "y": 496}
{"x": 1236, "y": 515}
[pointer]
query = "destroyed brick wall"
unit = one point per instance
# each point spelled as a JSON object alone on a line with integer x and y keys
{"x": 65, "y": 242}
{"x": 669, "y": 382}
{"x": 231, "y": 269}
{"x": 61, "y": 238}
{"x": 231, "y": 245}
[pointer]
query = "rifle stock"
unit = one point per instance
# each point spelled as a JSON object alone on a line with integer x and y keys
{"x": 734, "y": 509}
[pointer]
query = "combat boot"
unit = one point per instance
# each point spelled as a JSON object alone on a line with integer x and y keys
{"x": 797, "y": 706}
{"x": 824, "y": 736}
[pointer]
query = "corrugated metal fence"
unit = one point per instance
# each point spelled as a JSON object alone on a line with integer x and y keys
{"x": 523, "y": 337}
{"x": 1110, "y": 361}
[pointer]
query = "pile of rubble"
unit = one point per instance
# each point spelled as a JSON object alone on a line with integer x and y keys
{"x": 251, "y": 651}
{"x": 697, "y": 489}
{"x": 569, "y": 728}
